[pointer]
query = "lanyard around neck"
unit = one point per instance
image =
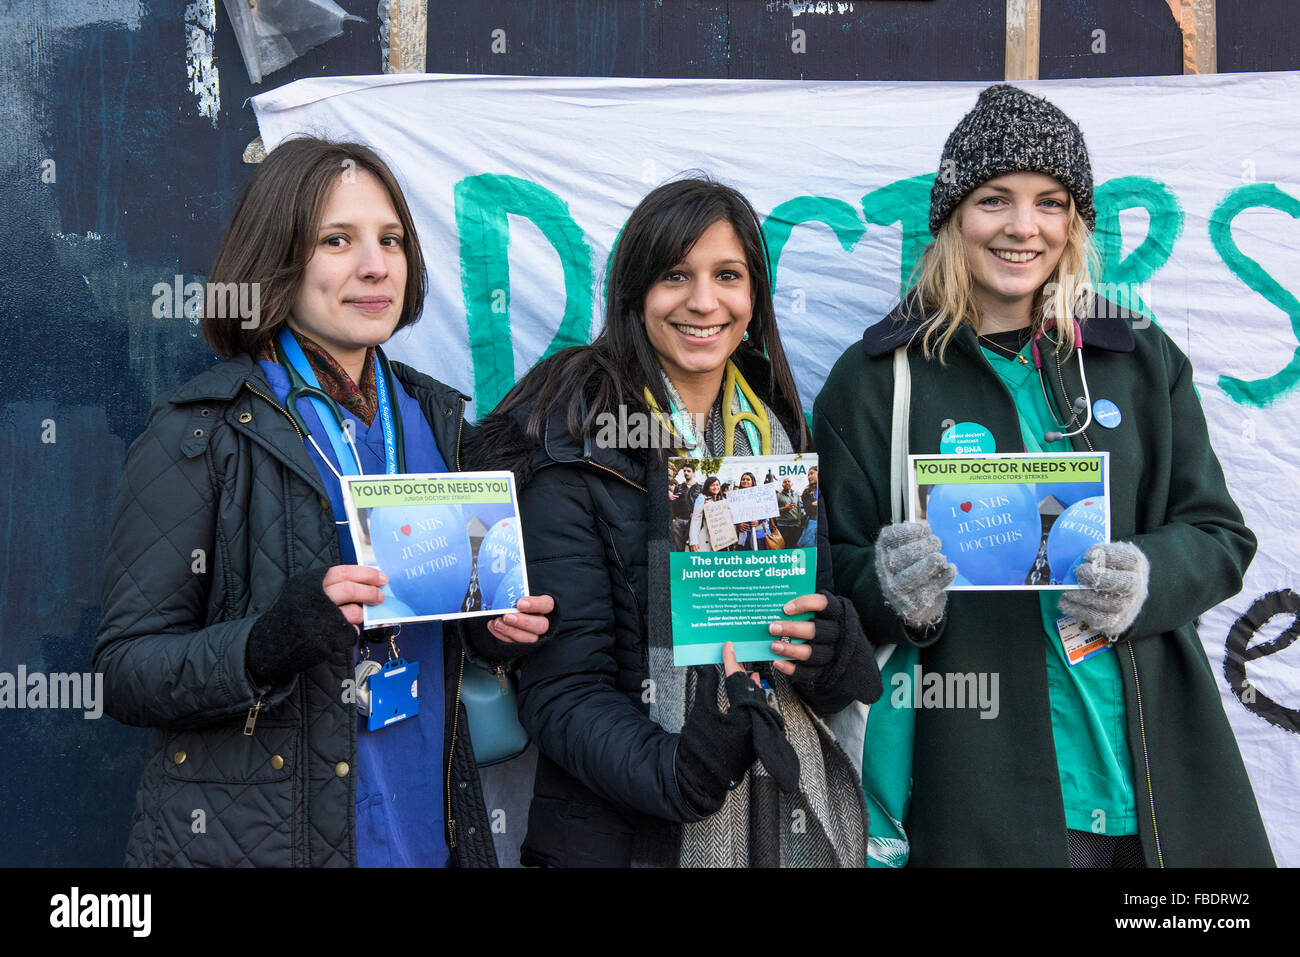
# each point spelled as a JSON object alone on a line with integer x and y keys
{"x": 304, "y": 384}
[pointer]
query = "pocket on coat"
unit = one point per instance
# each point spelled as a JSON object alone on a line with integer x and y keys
{"x": 230, "y": 802}
{"x": 226, "y": 755}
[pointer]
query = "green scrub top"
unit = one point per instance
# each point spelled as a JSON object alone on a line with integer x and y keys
{"x": 1087, "y": 700}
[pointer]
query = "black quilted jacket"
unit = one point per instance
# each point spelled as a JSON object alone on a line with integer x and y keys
{"x": 219, "y": 506}
{"x": 606, "y": 788}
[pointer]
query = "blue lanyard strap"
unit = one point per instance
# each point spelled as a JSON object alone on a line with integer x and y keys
{"x": 386, "y": 418}
{"x": 327, "y": 409}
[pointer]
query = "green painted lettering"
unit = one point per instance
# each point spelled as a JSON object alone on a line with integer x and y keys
{"x": 1122, "y": 275}
{"x": 483, "y": 205}
{"x": 1257, "y": 392}
{"x": 842, "y": 219}
{"x": 906, "y": 201}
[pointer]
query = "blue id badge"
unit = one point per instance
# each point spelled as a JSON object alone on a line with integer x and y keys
{"x": 393, "y": 693}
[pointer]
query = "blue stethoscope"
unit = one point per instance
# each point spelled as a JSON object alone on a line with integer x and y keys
{"x": 1083, "y": 404}
{"x": 303, "y": 384}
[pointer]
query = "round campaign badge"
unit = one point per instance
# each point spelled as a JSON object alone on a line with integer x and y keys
{"x": 967, "y": 438}
{"x": 1106, "y": 413}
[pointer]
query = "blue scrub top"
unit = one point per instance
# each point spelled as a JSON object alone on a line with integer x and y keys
{"x": 400, "y": 812}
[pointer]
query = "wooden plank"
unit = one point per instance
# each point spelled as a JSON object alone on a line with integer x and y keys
{"x": 1199, "y": 22}
{"x": 408, "y": 34}
{"x": 1022, "y": 39}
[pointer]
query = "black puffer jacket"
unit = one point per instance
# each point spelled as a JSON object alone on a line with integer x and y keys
{"x": 605, "y": 776}
{"x": 219, "y": 507}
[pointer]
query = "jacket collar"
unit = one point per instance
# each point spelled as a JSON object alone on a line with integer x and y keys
{"x": 221, "y": 381}
{"x": 425, "y": 389}
{"x": 1108, "y": 326}
{"x": 560, "y": 447}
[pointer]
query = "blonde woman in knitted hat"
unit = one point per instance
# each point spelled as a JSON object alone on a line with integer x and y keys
{"x": 1124, "y": 759}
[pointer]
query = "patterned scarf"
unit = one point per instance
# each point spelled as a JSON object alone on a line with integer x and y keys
{"x": 361, "y": 400}
{"x": 758, "y": 826}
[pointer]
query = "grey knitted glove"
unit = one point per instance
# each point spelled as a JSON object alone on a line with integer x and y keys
{"x": 1116, "y": 576}
{"x": 913, "y": 572}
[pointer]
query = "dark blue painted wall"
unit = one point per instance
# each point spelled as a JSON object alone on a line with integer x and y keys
{"x": 144, "y": 186}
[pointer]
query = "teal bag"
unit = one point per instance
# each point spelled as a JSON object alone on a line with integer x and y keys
{"x": 887, "y": 748}
{"x": 492, "y": 709}
{"x": 887, "y": 765}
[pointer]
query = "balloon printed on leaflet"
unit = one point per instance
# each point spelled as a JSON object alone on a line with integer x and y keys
{"x": 424, "y": 550}
{"x": 509, "y": 591}
{"x": 990, "y": 532}
{"x": 391, "y": 607}
{"x": 1076, "y": 530}
{"x": 1067, "y": 493}
{"x": 498, "y": 557}
{"x": 490, "y": 514}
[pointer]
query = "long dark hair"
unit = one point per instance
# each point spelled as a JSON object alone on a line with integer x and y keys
{"x": 272, "y": 235}
{"x": 620, "y": 364}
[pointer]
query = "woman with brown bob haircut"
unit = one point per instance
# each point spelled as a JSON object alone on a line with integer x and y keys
{"x": 232, "y": 599}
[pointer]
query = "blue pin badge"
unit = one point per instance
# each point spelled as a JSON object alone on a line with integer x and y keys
{"x": 1106, "y": 413}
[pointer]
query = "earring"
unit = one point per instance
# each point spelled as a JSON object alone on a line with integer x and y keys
{"x": 745, "y": 337}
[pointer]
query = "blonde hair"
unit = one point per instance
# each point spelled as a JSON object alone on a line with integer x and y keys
{"x": 942, "y": 280}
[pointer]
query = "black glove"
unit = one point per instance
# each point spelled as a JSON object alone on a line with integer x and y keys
{"x": 842, "y": 661}
{"x": 302, "y": 629}
{"x": 493, "y": 650}
{"x": 716, "y": 749}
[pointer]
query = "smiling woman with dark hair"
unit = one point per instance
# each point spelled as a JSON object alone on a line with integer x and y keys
{"x": 641, "y": 762}
{"x": 232, "y": 597}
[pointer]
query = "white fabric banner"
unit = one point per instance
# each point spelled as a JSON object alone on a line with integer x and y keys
{"x": 519, "y": 186}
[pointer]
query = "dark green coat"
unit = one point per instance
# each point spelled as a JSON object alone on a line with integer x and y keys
{"x": 987, "y": 792}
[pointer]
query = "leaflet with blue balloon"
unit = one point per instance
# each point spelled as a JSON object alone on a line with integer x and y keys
{"x": 450, "y": 543}
{"x": 1015, "y": 521}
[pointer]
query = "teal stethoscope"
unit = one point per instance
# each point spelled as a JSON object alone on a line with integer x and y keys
{"x": 303, "y": 384}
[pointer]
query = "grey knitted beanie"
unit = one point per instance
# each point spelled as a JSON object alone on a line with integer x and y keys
{"x": 1011, "y": 131}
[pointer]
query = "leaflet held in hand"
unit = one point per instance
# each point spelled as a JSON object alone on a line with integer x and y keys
{"x": 742, "y": 542}
{"x": 450, "y": 543}
{"x": 1013, "y": 521}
